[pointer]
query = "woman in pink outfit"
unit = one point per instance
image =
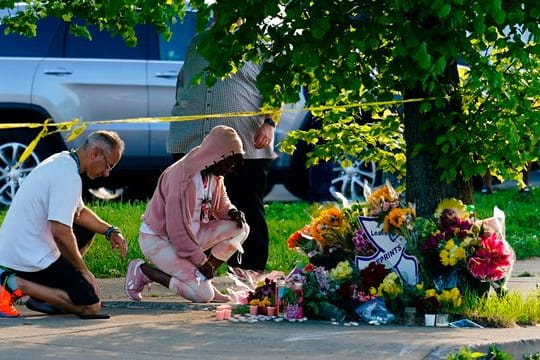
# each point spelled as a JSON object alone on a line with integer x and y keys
{"x": 190, "y": 227}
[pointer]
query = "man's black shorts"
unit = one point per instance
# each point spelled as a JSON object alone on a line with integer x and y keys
{"x": 64, "y": 276}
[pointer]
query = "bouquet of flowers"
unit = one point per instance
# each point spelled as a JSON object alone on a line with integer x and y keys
{"x": 463, "y": 253}
{"x": 328, "y": 239}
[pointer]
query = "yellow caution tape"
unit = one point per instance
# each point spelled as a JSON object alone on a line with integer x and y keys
{"x": 30, "y": 148}
{"x": 77, "y": 128}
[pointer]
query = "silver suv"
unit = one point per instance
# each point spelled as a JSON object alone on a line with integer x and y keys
{"x": 61, "y": 77}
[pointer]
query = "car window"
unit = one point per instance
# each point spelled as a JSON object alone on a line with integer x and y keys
{"x": 38, "y": 46}
{"x": 105, "y": 46}
{"x": 182, "y": 32}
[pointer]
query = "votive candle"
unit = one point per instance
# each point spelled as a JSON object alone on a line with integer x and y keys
{"x": 270, "y": 310}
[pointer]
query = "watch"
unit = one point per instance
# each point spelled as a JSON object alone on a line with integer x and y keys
{"x": 270, "y": 122}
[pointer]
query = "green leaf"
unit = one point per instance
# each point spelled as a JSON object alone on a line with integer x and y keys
{"x": 439, "y": 66}
{"x": 422, "y": 57}
{"x": 320, "y": 27}
{"x": 444, "y": 11}
{"x": 478, "y": 24}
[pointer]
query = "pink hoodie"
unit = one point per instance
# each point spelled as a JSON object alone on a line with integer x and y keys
{"x": 170, "y": 211}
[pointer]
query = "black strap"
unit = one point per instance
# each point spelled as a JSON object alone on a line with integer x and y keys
{"x": 74, "y": 156}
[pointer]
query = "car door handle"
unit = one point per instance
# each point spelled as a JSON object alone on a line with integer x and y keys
{"x": 167, "y": 74}
{"x": 57, "y": 71}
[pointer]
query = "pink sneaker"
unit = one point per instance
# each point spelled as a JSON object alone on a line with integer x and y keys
{"x": 135, "y": 280}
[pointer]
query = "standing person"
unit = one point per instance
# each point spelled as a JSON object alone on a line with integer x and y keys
{"x": 235, "y": 93}
{"x": 190, "y": 227}
{"x": 487, "y": 181}
{"x": 39, "y": 249}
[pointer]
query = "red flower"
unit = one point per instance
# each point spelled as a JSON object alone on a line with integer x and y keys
{"x": 294, "y": 239}
{"x": 309, "y": 267}
{"x": 492, "y": 260}
{"x": 372, "y": 276}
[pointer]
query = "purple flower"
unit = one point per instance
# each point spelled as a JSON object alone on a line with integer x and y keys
{"x": 321, "y": 274}
{"x": 293, "y": 311}
{"x": 362, "y": 244}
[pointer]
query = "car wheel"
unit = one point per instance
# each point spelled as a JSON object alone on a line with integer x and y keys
{"x": 350, "y": 181}
{"x": 12, "y": 174}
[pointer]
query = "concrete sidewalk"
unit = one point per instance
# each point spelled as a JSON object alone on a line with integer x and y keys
{"x": 164, "y": 326}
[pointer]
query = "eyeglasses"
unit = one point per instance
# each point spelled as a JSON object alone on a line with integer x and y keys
{"x": 108, "y": 164}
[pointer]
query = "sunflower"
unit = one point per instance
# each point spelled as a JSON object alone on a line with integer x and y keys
{"x": 397, "y": 218}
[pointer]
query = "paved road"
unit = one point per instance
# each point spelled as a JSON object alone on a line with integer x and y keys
{"x": 172, "y": 334}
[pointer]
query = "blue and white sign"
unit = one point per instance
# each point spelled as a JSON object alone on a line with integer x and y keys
{"x": 391, "y": 251}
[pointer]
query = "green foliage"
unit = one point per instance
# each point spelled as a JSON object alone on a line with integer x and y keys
{"x": 284, "y": 219}
{"x": 465, "y": 353}
{"x": 508, "y": 310}
{"x": 117, "y": 16}
{"x": 126, "y": 216}
{"x": 350, "y": 56}
{"x": 346, "y": 53}
{"x": 494, "y": 353}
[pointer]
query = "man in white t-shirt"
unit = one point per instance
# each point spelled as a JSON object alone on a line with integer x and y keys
{"x": 47, "y": 228}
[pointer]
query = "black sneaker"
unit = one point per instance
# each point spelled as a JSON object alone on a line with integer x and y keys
{"x": 42, "y": 307}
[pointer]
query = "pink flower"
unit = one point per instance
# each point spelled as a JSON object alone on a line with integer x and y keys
{"x": 492, "y": 260}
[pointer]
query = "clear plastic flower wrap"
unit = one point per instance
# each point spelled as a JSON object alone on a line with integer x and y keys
{"x": 375, "y": 312}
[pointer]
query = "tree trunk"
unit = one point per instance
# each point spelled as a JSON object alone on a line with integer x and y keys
{"x": 424, "y": 185}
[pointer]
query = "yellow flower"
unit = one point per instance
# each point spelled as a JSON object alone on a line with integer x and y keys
{"x": 328, "y": 220}
{"x": 450, "y": 299}
{"x": 452, "y": 203}
{"x": 397, "y": 218}
{"x": 391, "y": 286}
{"x": 342, "y": 271}
{"x": 451, "y": 254}
{"x": 261, "y": 303}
